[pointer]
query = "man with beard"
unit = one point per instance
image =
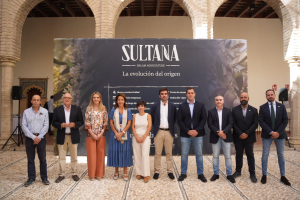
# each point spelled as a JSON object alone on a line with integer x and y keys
{"x": 245, "y": 122}
{"x": 273, "y": 120}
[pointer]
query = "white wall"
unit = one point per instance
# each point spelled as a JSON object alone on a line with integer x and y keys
{"x": 265, "y": 51}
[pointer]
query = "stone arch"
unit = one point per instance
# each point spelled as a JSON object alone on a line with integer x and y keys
{"x": 26, "y": 90}
{"x": 283, "y": 14}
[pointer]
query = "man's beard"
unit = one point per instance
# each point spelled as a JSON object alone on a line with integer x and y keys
{"x": 244, "y": 102}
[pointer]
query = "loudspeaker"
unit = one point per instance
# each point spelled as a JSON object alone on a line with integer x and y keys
{"x": 283, "y": 94}
{"x": 16, "y": 92}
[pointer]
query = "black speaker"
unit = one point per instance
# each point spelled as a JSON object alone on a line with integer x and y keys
{"x": 16, "y": 92}
{"x": 283, "y": 94}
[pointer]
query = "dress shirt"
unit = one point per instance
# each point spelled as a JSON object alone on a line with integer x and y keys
{"x": 35, "y": 122}
{"x": 164, "y": 115}
{"x": 244, "y": 111}
{"x": 191, "y": 105}
{"x": 220, "y": 117}
{"x": 50, "y": 106}
{"x": 274, "y": 106}
{"x": 67, "y": 117}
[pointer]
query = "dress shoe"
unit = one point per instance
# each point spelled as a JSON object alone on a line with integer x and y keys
{"x": 263, "y": 179}
{"x": 75, "y": 178}
{"x": 284, "y": 180}
{"x": 214, "y": 177}
{"x": 231, "y": 179}
{"x": 182, "y": 177}
{"x": 202, "y": 178}
{"x": 236, "y": 174}
{"x": 253, "y": 178}
{"x": 29, "y": 182}
{"x": 45, "y": 181}
{"x": 156, "y": 175}
{"x": 171, "y": 176}
{"x": 59, "y": 179}
{"x": 138, "y": 177}
{"x": 146, "y": 179}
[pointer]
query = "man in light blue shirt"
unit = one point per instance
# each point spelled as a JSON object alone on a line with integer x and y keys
{"x": 35, "y": 125}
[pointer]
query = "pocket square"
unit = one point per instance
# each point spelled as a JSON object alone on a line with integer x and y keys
{"x": 278, "y": 106}
{"x": 249, "y": 110}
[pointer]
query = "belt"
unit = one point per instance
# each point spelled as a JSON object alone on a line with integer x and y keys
{"x": 68, "y": 133}
{"x": 164, "y": 129}
{"x": 36, "y": 134}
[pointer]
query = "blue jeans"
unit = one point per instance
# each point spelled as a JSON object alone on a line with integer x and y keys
{"x": 185, "y": 149}
{"x": 280, "y": 153}
{"x": 226, "y": 146}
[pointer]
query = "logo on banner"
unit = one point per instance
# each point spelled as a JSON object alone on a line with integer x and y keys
{"x": 274, "y": 87}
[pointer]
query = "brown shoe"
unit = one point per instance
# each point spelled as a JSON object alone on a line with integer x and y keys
{"x": 75, "y": 178}
{"x": 138, "y": 177}
{"x": 59, "y": 179}
{"x": 146, "y": 179}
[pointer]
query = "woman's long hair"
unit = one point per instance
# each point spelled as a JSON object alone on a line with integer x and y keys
{"x": 91, "y": 105}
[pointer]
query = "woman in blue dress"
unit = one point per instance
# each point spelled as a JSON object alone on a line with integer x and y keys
{"x": 120, "y": 148}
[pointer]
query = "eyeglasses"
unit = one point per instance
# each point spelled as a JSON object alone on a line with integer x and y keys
{"x": 67, "y": 98}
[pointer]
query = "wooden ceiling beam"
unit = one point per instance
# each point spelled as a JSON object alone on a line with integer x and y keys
{"x": 54, "y": 7}
{"x": 172, "y": 8}
{"x": 157, "y": 7}
{"x": 69, "y": 9}
{"x": 232, "y": 7}
{"x": 41, "y": 10}
{"x": 245, "y": 8}
{"x": 270, "y": 13}
{"x": 128, "y": 11}
{"x": 83, "y": 8}
{"x": 260, "y": 10}
{"x": 142, "y": 8}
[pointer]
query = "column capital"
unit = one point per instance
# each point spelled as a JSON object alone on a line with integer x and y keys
{"x": 9, "y": 59}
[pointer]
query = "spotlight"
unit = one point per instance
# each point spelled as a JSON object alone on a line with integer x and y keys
{"x": 62, "y": 6}
{"x": 252, "y": 7}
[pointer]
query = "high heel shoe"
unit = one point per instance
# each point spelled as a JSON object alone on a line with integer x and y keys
{"x": 125, "y": 177}
{"x": 116, "y": 176}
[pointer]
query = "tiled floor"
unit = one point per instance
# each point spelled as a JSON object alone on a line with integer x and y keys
{"x": 13, "y": 174}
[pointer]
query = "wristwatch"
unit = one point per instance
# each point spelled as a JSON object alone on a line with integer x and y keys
{"x": 123, "y": 132}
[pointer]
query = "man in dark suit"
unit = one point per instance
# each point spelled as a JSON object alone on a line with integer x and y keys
{"x": 273, "y": 120}
{"x": 245, "y": 122}
{"x": 220, "y": 123}
{"x": 191, "y": 119}
{"x": 163, "y": 115}
{"x": 67, "y": 119}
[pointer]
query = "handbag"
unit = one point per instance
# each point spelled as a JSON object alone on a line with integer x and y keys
{"x": 123, "y": 137}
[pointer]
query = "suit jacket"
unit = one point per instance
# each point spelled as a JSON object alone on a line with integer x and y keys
{"x": 213, "y": 124}
{"x": 246, "y": 125}
{"x": 281, "y": 120}
{"x": 155, "y": 114}
{"x": 59, "y": 118}
{"x": 185, "y": 121}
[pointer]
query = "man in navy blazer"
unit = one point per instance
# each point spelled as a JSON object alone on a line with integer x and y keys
{"x": 163, "y": 115}
{"x": 191, "y": 118}
{"x": 245, "y": 122}
{"x": 67, "y": 119}
{"x": 273, "y": 120}
{"x": 220, "y": 122}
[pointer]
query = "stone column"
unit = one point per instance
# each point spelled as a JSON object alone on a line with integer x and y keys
{"x": 295, "y": 99}
{"x": 7, "y": 67}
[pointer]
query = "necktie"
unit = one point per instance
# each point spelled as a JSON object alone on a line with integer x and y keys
{"x": 272, "y": 116}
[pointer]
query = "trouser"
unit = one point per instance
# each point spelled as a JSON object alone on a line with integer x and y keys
{"x": 185, "y": 149}
{"x": 141, "y": 156}
{"x": 95, "y": 151}
{"x": 41, "y": 151}
{"x": 248, "y": 147}
{"x": 280, "y": 154}
{"x": 163, "y": 138}
{"x": 62, "y": 150}
{"x": 226, "y": 146}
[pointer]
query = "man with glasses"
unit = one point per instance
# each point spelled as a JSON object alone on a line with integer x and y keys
{"x": 67, "y": 119}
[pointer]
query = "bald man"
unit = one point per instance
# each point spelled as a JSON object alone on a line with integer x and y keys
{"x": 245, "y": 122}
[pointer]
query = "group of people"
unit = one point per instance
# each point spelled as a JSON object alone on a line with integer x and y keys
{"x": 191, "y": 118}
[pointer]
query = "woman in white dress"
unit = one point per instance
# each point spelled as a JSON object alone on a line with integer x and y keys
{"x": 141, "y": 127}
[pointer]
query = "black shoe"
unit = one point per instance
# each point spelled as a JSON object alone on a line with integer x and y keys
{"x": 29, "y": 182}
{"x": 263, "y": 179}
{"x": 231, "y": 179}
{"x": 182, "y": 177}
{"x": 253, "y": 178}
{"x": 171, "y": 176}
{"x": 285, "y": 181}
{"x": 202, "y": 178}
{"x": 59, "y": 179}
{"x": 156, "y": 175}
{"x": 45, "y": 181}
{"x": 214, "y": 177}
{"x": 236, "y": 174}
{"x": 75, "y": 178}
